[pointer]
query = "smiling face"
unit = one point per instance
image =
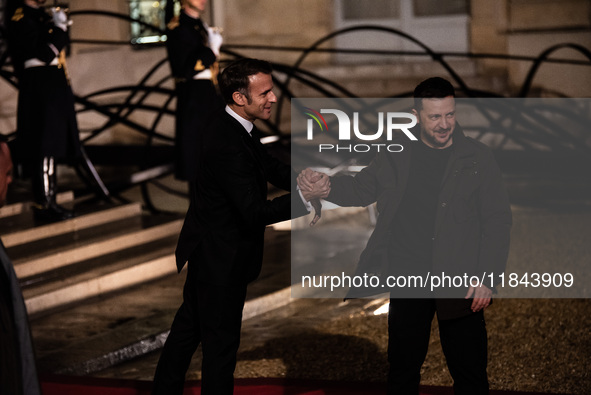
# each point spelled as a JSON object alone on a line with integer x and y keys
{"x": 437, "y": 120}
{"x": 260, "y": 98}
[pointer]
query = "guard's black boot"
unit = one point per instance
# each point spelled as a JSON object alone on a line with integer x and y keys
{"x": 44, "y": 182}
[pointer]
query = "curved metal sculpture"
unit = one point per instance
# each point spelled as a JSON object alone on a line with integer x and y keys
{"x": 543, "y": 57}
{"x": 138, "y": 95}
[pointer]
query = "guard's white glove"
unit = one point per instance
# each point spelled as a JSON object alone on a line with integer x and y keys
{"x": 215, "y": 40}
{"x": 60, "y": 19}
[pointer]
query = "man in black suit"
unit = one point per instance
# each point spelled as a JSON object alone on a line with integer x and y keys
{"x": 222, "y": 238}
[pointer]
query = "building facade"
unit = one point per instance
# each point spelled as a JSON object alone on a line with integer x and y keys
{"x": 102, "y": 56}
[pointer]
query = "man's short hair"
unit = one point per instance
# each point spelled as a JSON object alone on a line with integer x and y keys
{"x": 234, "y": 78}
{"x": 432, "y": 88}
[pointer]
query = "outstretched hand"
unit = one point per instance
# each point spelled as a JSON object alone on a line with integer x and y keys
{"x": 314, "y": 186}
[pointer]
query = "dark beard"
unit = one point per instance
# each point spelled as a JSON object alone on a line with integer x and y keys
{"x": 431, "y": 140}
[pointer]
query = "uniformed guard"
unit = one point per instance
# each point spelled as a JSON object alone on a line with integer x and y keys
{"x": 193, "y": 52}
{"x": 47, "y": 131}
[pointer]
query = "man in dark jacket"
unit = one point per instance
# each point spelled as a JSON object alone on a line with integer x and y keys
{"x": 443, "y": 209}
{"x": 223, "y": 234}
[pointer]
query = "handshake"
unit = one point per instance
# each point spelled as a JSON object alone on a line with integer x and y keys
{"x": 314, "y": 186}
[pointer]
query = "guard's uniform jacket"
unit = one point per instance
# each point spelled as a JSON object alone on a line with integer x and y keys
{"x": 194, "y": 67}
{"x": 46, "y": 119}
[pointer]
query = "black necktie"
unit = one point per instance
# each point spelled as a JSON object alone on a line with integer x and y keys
{"x": 255, "y": 133}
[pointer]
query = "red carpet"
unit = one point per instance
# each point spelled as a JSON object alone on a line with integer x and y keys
{"x": 66, "y": 385}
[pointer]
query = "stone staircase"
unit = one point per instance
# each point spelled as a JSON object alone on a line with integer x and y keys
{"x": 104, "y": 249}
{"x": 102, "y": 288}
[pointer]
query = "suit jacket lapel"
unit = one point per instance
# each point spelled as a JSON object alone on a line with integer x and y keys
{"x": 251, "y": 144}
{"x": 251, "y": 147}
{"x": 246, "y": 138}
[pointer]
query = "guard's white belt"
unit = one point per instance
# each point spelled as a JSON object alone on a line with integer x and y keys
{"x": 204, "y": 75}
{"x": 34, "y": 62}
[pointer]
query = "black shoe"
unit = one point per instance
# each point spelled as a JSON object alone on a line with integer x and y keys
{"x": 51, "y": 213}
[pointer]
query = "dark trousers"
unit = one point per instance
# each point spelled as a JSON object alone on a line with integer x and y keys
{"x": 463, "y": 340}
{"x": 10, "y": 359}
{"x": 212, "y": 316}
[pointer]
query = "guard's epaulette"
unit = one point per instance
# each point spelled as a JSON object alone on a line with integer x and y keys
{"x": 173, "y": 24}
{"x": 18, "y": 15}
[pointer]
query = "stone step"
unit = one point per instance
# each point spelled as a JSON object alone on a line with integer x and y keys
{"x": 44, "y": 262}
{"x": 124, "y": 325}
{"x": 102, "y": 275}
{"x": 30, "y": 234}
{"x": 104, "y": 249}
{"x": 79, "y": 238}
